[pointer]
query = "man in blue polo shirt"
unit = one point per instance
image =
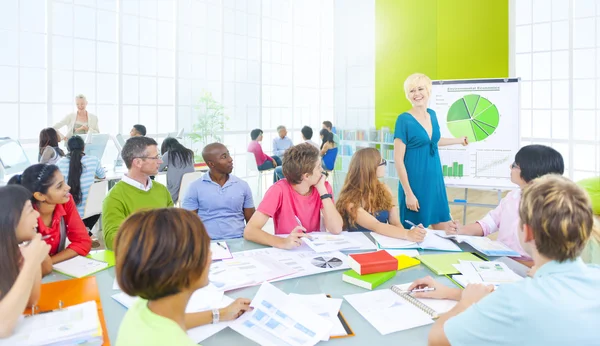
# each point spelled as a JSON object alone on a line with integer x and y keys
{"x": 222, "y": 201}
{"x": 560, "y": 305}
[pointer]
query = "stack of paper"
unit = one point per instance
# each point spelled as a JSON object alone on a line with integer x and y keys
{"x": 246, "y": 271}
{"x": 327, "y": 242}
{"x": 431, "y": 242}
{"x": 351, "y": 241}
{"x": 80, "y": 266}
{"x": 325, "y": 307}
{"x": 491, "y": 273}
{"x": 77, "y": 324}
{"x": 484, "y": 245}
{"x": 278, "y": 320}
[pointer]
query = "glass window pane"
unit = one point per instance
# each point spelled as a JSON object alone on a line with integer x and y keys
{"x": 526, "y": 123}
{"x": 213, "y": 68}
{"x": 560, "y": 95}
{"x": 560, "y": 35}
{"x": 10, "y": 48}
{"x": 148, "y": 118}
{"x": 560, "y": 9}
{"x": 166, "y": 63}
{"x": 584, "y": 31}
{"x": 229, "y": 20}
{"x": 148, "y": 61}
{"x": 9, "y": 16}
{"x": 166, "y": 35}
{"x": 542, "y": 37}
{"x": 84, "y": 23}
{"x": 147, "y": 91}
{"x": 32, "y": 54}
{"x": 583, "y": 63}
{"x": 10, "y": 120}
{"x": 33, "y": 15}
{"x": 130, "y": 90}
{"x": 62, "y": 19}
{"x": 241, "y": 70}
{"x": 560, "y": 124}
{"x": 148, "y": 32}
{"x": 541, "y": 11}
{"x": 241, "y": 23}
{"x": 166, "y": 119}
{"x": 560, "y": 65}
{"x": 85, "y": 55}
{"x": 108, "y": 119}
{"x": 130, "y": 7}
{"x": 107, "y": 26}
{"x": 166, "y": 10}
{"x": 583, "y": 8}
{"x": 185, "y": 92}
{"x": 130, "y": 59}
{"x": 541, "y": 94}
{"x": 148, "y": 8}
{"x": 110, "y": 5}
{"x": 584, "y": 157}
{"x": 10, "y": 79}
{"x": 584, "y": 92}
{"x": 199, "y": 67}
{"x": 166, "y": 91}
{"x": 85, "y": 83}
{"x": 580, "y": 175}
{"x": 184, "y": 118}
{"x": 130, "y": 118}
{"x": 583, "y": 124}
{"x": 107, "y": 57}
{"x": 62, "y": 53}
{"x": 32, "y": 114}
{"x": 33, "y": 86}
{"x": 62, "y": 86}
{"x": 541, "y": 66}
{"x": 107, "y": 88}
{"x": 130, "y": 29}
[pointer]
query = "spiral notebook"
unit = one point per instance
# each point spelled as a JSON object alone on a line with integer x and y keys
{"x": 392, "y": 310}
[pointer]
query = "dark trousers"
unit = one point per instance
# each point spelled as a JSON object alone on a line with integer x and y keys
{"x": 269, "y": 165}
{"x": 90, "y": 222}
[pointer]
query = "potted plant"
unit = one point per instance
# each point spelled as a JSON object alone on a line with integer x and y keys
{"x": 209, "y": 125}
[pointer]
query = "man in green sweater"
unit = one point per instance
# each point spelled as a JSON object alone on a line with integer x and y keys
{"x": 136, "y": 190}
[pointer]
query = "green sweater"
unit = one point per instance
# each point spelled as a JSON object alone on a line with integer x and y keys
{"x": 123, "y": 200}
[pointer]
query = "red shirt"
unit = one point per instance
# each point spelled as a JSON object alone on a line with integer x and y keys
{"x": 255, "y": 148}
{"x": 76, "y": 231}
{"x": 284, "y": 204}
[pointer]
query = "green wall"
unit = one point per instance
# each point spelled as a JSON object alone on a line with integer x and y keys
{"x": 445, "y": 39}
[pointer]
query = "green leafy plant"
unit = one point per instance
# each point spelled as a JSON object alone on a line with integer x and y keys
{"x": 210, "y": 122}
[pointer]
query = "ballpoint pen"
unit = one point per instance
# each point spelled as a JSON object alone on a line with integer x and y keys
{"x": 25, "y": 243}
{"x": 426, "y": 289}
{"x": 221, "y": 245}
{"x": 410, "y": 223}
{"x": 299, "y": 223}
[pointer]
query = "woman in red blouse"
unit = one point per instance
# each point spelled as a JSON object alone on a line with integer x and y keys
{"x": 58, "y": 218}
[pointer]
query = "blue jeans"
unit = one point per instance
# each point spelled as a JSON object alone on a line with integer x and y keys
{"x": 269, "y": 165}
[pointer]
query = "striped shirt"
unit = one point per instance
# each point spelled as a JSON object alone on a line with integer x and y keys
{"x": 91, "y": 168}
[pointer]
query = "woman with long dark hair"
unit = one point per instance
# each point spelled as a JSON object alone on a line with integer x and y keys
{"x": 79, "y": 171}
{"x": 327, "y": 142}
{"x": 49, "y": 152}
{"x": 21, "y": 254}
{"x": 58, "y": 218}
{"x": 178, "y": 160}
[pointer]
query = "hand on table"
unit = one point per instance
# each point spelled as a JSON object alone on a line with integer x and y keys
{"x": 453, "y": 228}
{"x": 440, "y": 291}
{"x": 416, "y": 234}
{"x": 235, "y": 309}
{"x": 294, "y": 239}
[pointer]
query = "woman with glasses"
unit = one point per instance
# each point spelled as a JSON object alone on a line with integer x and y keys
{"x": 531, "y": 161}
{"x": 366, "y": 204}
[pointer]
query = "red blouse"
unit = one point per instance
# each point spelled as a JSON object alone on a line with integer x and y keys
{"x": 76, "y": 231}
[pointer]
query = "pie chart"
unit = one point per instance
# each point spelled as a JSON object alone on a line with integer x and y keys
{"x": 473, "y": 116}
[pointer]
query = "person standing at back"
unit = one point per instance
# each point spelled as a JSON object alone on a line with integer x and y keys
{"x": 79, "y": 171}
{"x": 178, "y": 160}
{"x": 136, "y": 190}
{"x": 78, "y": 123}
{"x": 222, "y": 201}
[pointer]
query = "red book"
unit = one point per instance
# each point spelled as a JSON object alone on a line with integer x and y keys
{"x": 373, "y": 262}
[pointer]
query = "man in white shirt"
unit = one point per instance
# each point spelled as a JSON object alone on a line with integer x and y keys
{"x": 281, "y": 143}
{"x": 307, "y": 133}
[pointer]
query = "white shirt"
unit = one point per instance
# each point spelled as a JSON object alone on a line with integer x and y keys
{"x": 136, "y": 183}
{"x": 312, "y": 143}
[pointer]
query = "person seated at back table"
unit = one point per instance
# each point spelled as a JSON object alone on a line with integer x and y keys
{"x": 162, "y": 257}
{"x": 136, "y": 190}
{"x": 366, "y": 204}
{"x": 49, "y": 152}
{"x": 531, "y": 161}
{"x": 296, "y": 203}
{"x": 138, "y": 131}
{"x": 559, "y": 306}
{"x": 282, "y": 142}
{"x": 263, "y": 161}
{"x": 307, "y": 134}
{"x": 179, "y": 160}
{"x": 222, "y": 201}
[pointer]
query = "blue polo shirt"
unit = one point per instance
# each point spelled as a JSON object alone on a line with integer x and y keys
{"x": 560, "y": 305}
{"x": 221, "y": 209}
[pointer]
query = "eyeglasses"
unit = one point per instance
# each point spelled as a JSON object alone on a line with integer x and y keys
{"x": 383, "y": 163}
{"x": 514, "y": 165}
{"x": 157, "y": 157}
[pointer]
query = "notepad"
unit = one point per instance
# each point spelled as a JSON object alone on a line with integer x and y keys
{"x": 431, "y": 242}
{"x": 107, "y": 256}
{"x": 80, "y": 266}
{"x": 392, "y": 310}
{"x": 442, "y": 264}
{"x": 77, "y": 324}
{"x": 220, "y": 251}
{"x": 484, "y": 245}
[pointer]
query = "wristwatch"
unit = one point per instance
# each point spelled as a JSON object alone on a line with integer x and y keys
{"x": 327, "y": 195}
{"x": 215, "y": 313}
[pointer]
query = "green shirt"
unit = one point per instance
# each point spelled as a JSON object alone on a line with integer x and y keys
{"x": 140, "y": 326}
{"x": 591, "y": 252}
{"x": 592, "y": 187}
{"x": 123, "y": 200}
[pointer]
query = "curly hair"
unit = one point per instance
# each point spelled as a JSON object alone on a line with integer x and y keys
{"x": 362, "y": 188}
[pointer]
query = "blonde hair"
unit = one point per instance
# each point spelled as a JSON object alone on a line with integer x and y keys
{"x": 81, "y": 96}
{"x": 416, "y": 80}
{"x": 560, "y": 215}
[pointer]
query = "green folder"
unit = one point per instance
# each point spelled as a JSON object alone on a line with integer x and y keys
{"x": 104, "y": 256}
{"x": 442, "y": 264}
{"x": 368, "y": 281}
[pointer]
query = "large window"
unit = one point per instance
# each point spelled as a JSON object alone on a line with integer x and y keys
{"x": 556, "y": 46}
{"x": 270, "y": 62}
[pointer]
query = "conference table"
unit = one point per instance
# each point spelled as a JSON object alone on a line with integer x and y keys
{"x": 329, "y": 283}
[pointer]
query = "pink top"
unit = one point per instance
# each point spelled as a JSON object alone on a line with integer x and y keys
{"x": 505, "y": 220}
{"x": 283, "y": 204}
{"x": 255, "y": 148}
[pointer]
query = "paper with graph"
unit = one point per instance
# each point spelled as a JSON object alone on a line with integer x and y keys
{"x": 486, "y": 111}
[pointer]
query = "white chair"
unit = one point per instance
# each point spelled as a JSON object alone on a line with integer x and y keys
{"x": 93, "y": 203}
{"x": 186, "y": 180}
{"x": 252, "y": 167}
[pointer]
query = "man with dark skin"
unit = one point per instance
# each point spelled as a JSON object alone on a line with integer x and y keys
{"x": 222, "y": 201}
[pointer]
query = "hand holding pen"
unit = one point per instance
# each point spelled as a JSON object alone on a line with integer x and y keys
{"x": 415, "y": 233}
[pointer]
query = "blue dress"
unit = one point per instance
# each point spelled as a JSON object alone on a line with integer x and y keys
{"x": 382, "y": 216}
{"x": 422, "y": 162}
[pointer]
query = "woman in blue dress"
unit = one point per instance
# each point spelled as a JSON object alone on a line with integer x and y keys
{"x": 421, "y": 193}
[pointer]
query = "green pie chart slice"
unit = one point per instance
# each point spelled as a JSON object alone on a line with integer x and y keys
{"x": 473, "y": 116}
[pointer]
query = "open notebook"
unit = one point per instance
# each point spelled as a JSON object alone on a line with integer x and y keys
{"x": 392, "y": 310}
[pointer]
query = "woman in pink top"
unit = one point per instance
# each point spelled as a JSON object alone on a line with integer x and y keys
{"x": 531, "y": 162}
{"x": 296, "y": 203}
